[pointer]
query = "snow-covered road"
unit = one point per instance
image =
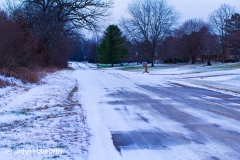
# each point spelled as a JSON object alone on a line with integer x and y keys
{"x": 140, "y": 116}
{"x": 174, "y": 113}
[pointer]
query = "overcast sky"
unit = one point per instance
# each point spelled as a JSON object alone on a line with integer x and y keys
{"x": 188, "y": 8}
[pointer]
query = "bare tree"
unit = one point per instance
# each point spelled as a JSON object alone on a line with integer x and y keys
{"x": 218, "y": 20}
{"x": 189, "y": 45}
{"x": 17, "y": 44}
{"x": 149, "y": 23}
{"x": 57, "y": 23}
{"x": 208, "y": 43}
{"x": 191, "y": 41}
{"x": 169, "y": 49}
{"x": 71, "y": 14}
{"x": 189, "y": 26}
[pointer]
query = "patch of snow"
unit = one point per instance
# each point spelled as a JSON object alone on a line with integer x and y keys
{"x": 225, "y": 123}
{"x": 44, "y": 116}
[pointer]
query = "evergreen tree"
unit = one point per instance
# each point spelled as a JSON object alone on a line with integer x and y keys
{"x": 113, "y": 46}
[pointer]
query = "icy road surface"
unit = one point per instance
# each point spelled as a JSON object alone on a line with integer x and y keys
{"x": 139, "y": 116}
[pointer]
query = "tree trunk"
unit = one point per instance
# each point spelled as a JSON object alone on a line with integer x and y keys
{"x": 223, "y": 53}
{"x": 193, "y": 60}
{"x": 174, "y": 60}
{"x": 152, "y": 59}
{"x": 236, "y": 58}
{"x": 209, "y": 62}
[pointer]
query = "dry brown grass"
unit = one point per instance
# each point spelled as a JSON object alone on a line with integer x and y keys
{"x": 25, "y": 74}
{"x": 51, "y": 69}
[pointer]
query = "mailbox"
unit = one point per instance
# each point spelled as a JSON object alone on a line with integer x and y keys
{"x": 145, "y": 65}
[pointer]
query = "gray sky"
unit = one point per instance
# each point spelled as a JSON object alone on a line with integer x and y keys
{"x": 188, "y": 8}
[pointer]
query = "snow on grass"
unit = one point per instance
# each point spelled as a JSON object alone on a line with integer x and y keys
{"x": 44, "y": 116}
{"x": 219, "y": 78}
{"x": 222, "y": 77}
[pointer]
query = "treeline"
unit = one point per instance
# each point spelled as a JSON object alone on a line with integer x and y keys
{"x": 38, "y": 34}
{"x": 195, "y": 40}
{"x": 150, "y": 37}
{"x": 192, "y": 41}
{"x": 41, "y": 34}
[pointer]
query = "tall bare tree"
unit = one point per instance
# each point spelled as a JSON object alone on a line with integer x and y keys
{"x": 57, "y": 23}
{"x": 191, "y": 41}
{"x": 149, "y": 22}
{"x": 209, "y": 43}
{"x": 218, "y": 19}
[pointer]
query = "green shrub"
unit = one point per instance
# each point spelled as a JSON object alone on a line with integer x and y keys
{"x": 168, "y": 60}
{"x": 229, "y": 61}
{"x": 175, "y": 60}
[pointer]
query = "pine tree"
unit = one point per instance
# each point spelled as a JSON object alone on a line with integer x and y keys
{"x": 113, "y": 46}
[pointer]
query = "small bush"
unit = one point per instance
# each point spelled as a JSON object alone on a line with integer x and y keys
{"x": 229, "y": 61}
{"x": 175, "y": 60}
{"x": 168, "y": 60}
